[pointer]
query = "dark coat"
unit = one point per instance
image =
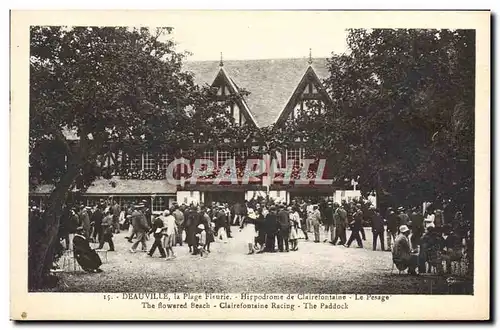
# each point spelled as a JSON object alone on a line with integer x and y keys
{"x": 377, "y": 223}
{"x": 271, "y": 223}
{"x": 220, "y": 220}
{"x": 205, "y": 220}
{"x": 139, "y": 222}
{"x": 417, "y": 222}
{"x": 357, "y": 223}
{"x": 84, "y": 254}
{"x": 97, "y": 218}
{"x": 192, "y": 222}
{"x": 328, "y": 216}
{"x": 392, "y": 222}
{"x": 283, "y": 220}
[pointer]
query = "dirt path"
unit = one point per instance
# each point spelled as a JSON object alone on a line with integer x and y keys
{"x": 314, "y": 268}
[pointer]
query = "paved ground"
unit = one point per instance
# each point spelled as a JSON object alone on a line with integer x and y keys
{"x": 314, "y": 268}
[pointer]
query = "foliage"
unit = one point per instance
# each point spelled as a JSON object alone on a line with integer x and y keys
{"x": 110, "y": 87}
{"x": 402, "y": 117}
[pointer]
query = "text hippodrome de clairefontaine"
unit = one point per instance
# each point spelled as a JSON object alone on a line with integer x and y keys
{"x": 289, "y": 302}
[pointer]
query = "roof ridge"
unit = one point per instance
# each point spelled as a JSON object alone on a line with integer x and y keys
{"x": 306, "y": 58}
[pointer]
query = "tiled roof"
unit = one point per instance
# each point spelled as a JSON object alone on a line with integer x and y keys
{"x": 269, "y": 82}
{"x": 122, "y": 187}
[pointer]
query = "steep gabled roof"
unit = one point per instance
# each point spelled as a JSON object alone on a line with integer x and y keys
{"x": 271, "y": 83}
{"x": 309, "y": 77}
{"x": 236, "y": 91}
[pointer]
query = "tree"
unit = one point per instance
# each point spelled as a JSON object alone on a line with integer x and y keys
{"x": 403, "y": 115}
{"x": 107, "y": 85}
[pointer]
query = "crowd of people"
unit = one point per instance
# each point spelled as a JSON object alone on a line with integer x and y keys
{"x": 416, "y": 239}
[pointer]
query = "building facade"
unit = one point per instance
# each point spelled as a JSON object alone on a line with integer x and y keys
{"x": 279, "y": 91}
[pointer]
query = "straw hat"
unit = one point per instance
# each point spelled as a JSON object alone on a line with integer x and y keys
{"x": 404, "y": 229}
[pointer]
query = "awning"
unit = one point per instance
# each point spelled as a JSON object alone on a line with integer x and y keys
{"x": 118, "y": 187}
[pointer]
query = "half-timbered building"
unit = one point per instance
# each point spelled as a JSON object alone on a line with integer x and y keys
{"x": 279, "y": 90}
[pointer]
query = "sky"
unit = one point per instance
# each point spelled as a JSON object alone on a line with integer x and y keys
{"x": 256, "y": 35}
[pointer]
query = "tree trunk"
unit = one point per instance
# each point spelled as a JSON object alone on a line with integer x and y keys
{"x": 44, "y": 234}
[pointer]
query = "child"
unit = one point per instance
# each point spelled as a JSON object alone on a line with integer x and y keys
{"x": 201, "y": 237}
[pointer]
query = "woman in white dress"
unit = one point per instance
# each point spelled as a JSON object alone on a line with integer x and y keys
{"x": 248, "y": 230}
{"x": 294, "y": 228}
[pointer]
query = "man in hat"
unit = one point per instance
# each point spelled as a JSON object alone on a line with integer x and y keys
{"x": 340, "y": 222}
{"x": 271, "y": 228}
{"x": 179, "y": 221}
{"x": 157, "y": 231}
{"x": 392, "y": 227}
{"x": 140, "y": 227}
{"x": 329, "y": 223}
{"x": 417, "y": 226}
{"x": 115, "y": 211}
{"x": 402, "y": 255}
{"x": 85, "y": 220}
{"x": 107, "y": 232}
{"x": 97, "y": 217}
{"x": 147, "y": 212}
{"x": 403, "y": 217}
{"x": 356, "y": 226}
{"x": 316, "y": 222}
{"x": 283, "y": 228}
{"x": 377, "y": 229}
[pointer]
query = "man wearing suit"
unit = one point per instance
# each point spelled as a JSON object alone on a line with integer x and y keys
{"x": 97, "y": 220}
{"x": 283, "y": 228}
{"x": 140, "y": 227}
{"x": 85, "y": 221}
{"x": 377, "y": 228}
{"x": 271, "y": 227}
{"x": 115, "y": 211}
{"x": 179, "y": 222}
{"x": 329, "y": 225}
{"x": 316, "y": 222}
{"x": 340, "y": 221}
{"x": 392, "y": 227}
{"x": 356, "y": 226}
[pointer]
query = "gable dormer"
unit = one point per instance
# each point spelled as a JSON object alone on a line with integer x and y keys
{"x": 226, "y": 87}
{"x": 308, "y": 89}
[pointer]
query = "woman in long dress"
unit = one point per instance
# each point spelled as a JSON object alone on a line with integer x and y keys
{"x": 248, "y": 230}
{"x": 294, "y": 228}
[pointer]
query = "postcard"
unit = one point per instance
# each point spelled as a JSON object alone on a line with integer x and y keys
{"x": 250, "y": 165}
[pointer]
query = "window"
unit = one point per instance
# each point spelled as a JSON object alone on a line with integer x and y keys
{"x": 241, "y": 153}
{"x": 222, "y": 157}
{"x": 135, "y": 162}
{"x": 236, "y": 114}
{"x": 209, "y": 154}
{"x": 159, "y": 204}
{"x": 296, "y": 110}
{"x": 129, "y": 201}
{"x": 243, "y": 120}
{"x": 149, "y": 161}
{"x": 164, "y": 161}
{"x": 93, "y": 201}
{"x": 295, "y": 155}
